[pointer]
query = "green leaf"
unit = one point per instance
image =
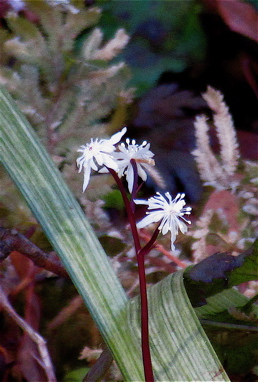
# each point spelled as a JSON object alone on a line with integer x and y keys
{"x": 220, "y": 271}
{"x": 180, "y": 348}
{"x": 226, "y": 299}
{"x": 240, "y": 315}
{"x": 69, "y": 232}
{"x": 76, "y": 375}
{"x": 248, "y": 271}
{"x": 112, "y": 245}
{"x": 231, "y": 322}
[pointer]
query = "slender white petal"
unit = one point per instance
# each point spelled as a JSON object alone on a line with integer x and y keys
{"x": 130, "y": 178}
{"x": 141, "y": 201}
{"x": 142, "y": 174}
{"x": 117, "y": 136}
{"x": 86, "y": 178}
{"x": 154, "y": 217}
{"x": 169, "y": 212}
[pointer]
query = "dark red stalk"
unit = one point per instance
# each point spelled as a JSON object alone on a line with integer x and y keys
{"x": 148, "y": 372}
{"x": 146, "y": 249}
{"x": 129, "y": 210}
{"x": 147, "y": 365}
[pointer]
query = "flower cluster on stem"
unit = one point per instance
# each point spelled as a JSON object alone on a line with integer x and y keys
{"x": 169, "y": 212}
{"x": 134, "y": 161}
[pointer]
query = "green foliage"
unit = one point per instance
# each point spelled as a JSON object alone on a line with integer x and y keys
{"x": 248, "y": 271}
{"x": 230, "y": 320}
{"x": 114, "y": 200}
{"x": 166, "y": 36}
{"x": 62, "y": 75}
{"x": 76, "y": 375}
{"x": 220, "y": 271}
{"x": 174, "y": 331}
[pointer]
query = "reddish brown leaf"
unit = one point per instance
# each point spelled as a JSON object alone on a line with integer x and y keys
{"x": 240, "y": 17}
{"x": 226, "y": 202}
{"x": 248, "y": 143}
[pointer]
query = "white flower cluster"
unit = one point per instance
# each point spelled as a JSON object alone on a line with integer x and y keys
{"x": 102, "y": 154}
{"x": 170, "y": 212}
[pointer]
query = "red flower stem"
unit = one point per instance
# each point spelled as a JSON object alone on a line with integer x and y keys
{"x": 161, "y": 249}
{"x": 147, "y": 365}
{"x": 129, "y": 210}
{"x": 150, "y": 244}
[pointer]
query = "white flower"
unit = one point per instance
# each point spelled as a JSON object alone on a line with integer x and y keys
{"x": 142, "y": 156}
{"x": 97, "y": 154}
{"x": 168, "y": 211}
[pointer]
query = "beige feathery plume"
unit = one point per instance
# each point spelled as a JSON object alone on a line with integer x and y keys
{"x": 216, "y": 172}
{"x": 209, "y": 167}
{"x": 226, "y": 132}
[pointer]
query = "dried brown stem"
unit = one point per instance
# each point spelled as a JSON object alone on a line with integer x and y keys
{"x": 11, "y": 240}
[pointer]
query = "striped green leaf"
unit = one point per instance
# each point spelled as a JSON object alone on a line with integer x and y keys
{"x": 181, "y": 350}
{"x": 68, "y": 230}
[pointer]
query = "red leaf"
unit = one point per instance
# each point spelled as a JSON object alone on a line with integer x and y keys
{"x": 240, "y": 17}
{"x": 226, "y": 202}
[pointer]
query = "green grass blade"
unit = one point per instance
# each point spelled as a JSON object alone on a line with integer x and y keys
{"x": 71, "y": 235}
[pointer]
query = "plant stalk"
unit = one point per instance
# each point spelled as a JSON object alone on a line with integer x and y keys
{"x": 147, "y": 364}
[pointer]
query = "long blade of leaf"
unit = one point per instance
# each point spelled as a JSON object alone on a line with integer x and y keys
{"x": 68, "y": 230}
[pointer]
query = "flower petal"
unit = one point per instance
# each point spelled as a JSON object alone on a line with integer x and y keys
{"x": 130, "y": 178}
{"x": 147, "y": 221}
{"x": 141, "y": 173}
{"x": 117, "y": 136}
{"x": 141, "y": 201}
{"x": 86, "y": 178}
